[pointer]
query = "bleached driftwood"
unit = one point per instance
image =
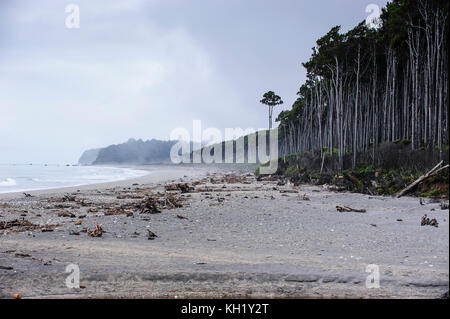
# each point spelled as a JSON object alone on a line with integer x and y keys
{"x": 436, "y": 170}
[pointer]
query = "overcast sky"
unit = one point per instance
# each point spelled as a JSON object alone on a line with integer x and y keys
{"x": 141, "y": 68}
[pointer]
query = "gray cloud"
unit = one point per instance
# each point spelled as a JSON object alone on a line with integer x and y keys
{"x": 142, "y": 68}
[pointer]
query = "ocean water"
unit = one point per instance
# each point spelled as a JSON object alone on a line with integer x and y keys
{"x": 20, "y": 178}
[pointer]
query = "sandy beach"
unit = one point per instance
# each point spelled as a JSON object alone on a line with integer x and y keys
{"x": 191, "y": 232}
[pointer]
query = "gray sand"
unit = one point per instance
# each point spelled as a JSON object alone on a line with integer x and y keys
{"x": 239, "y": 240}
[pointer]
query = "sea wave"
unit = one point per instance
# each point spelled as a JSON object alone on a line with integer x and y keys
{"x": 8, "y": 182}
{"x": 29, "y": 178}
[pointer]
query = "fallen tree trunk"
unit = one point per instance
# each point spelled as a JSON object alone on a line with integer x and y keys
{"x": 433, "y": 172}
{"x": 440, "y": 170}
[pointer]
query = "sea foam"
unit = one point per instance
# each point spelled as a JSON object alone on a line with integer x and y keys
{"x": 8, "y": 182}
{"x": 20, "y": 178}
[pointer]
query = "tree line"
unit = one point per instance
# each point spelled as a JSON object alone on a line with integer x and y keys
{"x": 371, "y": 86}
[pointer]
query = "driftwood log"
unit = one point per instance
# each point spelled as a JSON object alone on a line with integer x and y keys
{"x": 436, "y": 170}
{"x": 347, "y": 209}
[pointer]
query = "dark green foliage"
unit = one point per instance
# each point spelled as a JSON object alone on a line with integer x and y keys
{"x": 371, "y": 87}
{"x": 397, "y": 167}
{"x": 271, "y": 100}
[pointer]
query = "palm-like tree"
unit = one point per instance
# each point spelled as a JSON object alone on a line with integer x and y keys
{"x": 271, "y": 100}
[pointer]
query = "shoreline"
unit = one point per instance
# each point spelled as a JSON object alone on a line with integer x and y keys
{"x": 156, "y": 173}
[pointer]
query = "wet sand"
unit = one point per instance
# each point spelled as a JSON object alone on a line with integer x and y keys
{"x": 233, "y": 236}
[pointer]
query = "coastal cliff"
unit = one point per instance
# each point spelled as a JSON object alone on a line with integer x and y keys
{"x": 88, "y": 157}
{"x": 131, "y": 152}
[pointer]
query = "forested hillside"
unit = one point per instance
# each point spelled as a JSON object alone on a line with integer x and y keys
{"x": 131, "y": 152}
{"x": 374, "y": 86}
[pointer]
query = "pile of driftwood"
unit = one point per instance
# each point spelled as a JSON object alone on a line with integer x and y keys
{"x": 130, "y": 196}
{"x": 232, "y": 179}
{"x": 150, "y": 206}
{"x": 436, "y": 170}
{"x": 154, "y": 205}
{"x": 97, "y": 231}
{"x": 118, "y": 211}
{"x": 18, "y": 225}
{"x": 184, "y": 188}
{"x": 429, "y": 222}
{"x": 22, "y": 225}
